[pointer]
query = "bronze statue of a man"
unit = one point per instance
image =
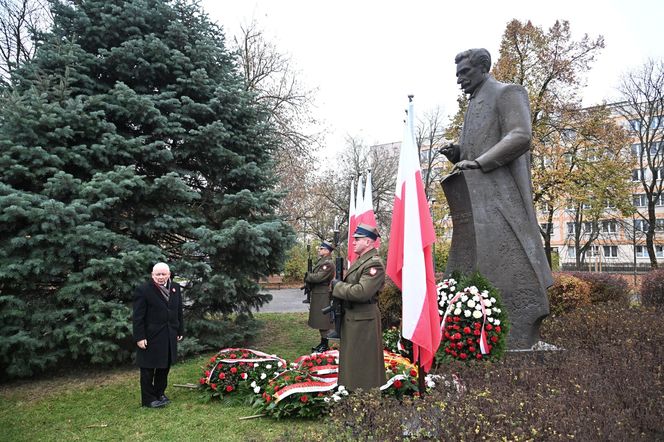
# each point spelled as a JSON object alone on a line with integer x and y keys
{"x": 490, "y": 197}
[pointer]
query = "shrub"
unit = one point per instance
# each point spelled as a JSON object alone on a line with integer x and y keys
{"x": 652, "y": 288}
{"x": 389, "y": 300}
{"x": 604, "y": 287}
{"x": 568, "y": 293}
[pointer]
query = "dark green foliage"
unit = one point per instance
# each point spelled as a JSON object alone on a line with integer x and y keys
{"x": 604, "y": 287}
{"x": 605, "y": 385}
{"x": 652, "y": 289}
{"x": 389, "y": 301}
{"x": 130, "y": 139}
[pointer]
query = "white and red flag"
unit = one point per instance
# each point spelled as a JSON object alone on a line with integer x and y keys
{"x": 409, "y": 258}
{"x": 365, "y": 212}
{"x": 352, "y": 223}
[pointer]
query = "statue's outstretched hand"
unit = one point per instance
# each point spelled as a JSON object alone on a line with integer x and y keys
{"x": 466, "y": 164}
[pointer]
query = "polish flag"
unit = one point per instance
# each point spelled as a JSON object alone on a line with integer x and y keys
{"x": 410, "y": 259}
{"x": 352, "y": 224}
{"x": 365, "y": 212}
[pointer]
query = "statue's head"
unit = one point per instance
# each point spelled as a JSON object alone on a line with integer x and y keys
{"x": 472, "y": 69}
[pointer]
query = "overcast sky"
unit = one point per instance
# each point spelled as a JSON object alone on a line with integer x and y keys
{"x": 365, "y": 56}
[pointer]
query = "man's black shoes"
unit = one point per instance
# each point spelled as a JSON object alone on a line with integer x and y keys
{"x": 156, "y": 404}
{"x": 165, "y": 399}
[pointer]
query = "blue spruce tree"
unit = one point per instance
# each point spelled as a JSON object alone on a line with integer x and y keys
{"x": 130, "y": 139}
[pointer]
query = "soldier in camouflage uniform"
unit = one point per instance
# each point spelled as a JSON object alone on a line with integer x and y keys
{"x": 361, "y": 355}
{"x": 319, "y": 281}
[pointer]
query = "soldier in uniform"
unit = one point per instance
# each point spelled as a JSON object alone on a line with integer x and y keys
{"x": 319, "y": 281}
{"x": 361, "y": 355}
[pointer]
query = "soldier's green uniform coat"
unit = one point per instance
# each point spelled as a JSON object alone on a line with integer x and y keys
{"x": 361, "y": 355}
{"x": 319, "y": 280}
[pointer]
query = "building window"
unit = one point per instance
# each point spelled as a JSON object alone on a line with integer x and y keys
{"x": 659, "y": 251}
{"x": 592, "y": 251}
{"x": 636, "y": 149}
{"x": 635, "y": 125}
{"x": 609, "y": 226}
{"x": 659, "y": 225}
{"x": 640, "y": 252}
{"x": 610, "y": 251}
{"x": 639, "y": 200}
{"x": 640, "y": 225}
{"x": 571, "y": 228}
{"x": 637, "y": 174}
{"x": 545, "y": 227}
{"x": 571, "y": 252}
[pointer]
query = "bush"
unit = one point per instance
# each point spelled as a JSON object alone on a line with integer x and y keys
{"x": 389, "y": 301}
{"x": 604, "y": 287}
{"x": 527, "y": 396}
{"x": 568, "y": 293}
{"x": 652, "y": 289}
{"x": 296, "y": 263}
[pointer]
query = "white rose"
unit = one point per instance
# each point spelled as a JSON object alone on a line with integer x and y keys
{"x": 466, "y": 313}
{"x": 489, "y": 319}
{"x": 464, "y": 298}
{"x": 487, "y": 303}
{"x": 327, "y": 399}
{"x": 441, "y": 313}
{"x": 263, "y": 375}
{"x": 457, "y": 311}
{"x": 488, "y": 312}
{"x": 257, "y": 389}
{"x": 458, "y": 305}
{"x": 471, "y": 303}
{"x": 268, "y": 366}
{"x": 341, "y": 388}
{"x": 493, "y": 299}
{"x": 496, "y": 310}
{"x": 279, "y": 364}
{"x": 253, "y": 384}
{"x": 477, "y": 314}
{"x": 444, "y": 285}
{"x": 345, "y": 392}
{"x": 442, "y": 303}
{"x": 478, "y": 307}
{"x": 431, "y": 384}
{"x": 336, "y": 398}
{"x": 452, "y": 289}
{"x": 474, "y": 290}
{"x": 496, "y": 322}
{"x": 476, "y": 298}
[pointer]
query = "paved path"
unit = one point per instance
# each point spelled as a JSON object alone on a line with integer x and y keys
{"x": 285, "y": 300}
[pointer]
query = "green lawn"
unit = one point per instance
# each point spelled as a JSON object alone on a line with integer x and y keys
{"x": 104, "y": 405}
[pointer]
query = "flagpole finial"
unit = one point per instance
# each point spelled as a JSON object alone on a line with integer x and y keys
{"x": 410, "y": 98}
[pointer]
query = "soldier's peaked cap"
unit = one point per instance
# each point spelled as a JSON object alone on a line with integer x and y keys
{"x": 366, "y": 231}
{"x": 328, "y": 245}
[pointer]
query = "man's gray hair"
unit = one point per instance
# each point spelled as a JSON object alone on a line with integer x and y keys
{"x": 477, "y": 57}
{"x": 161, "y": 264}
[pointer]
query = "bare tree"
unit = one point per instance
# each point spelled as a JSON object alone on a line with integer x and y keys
{"x": 20, "y": 23}
{"x": 429, "y": 137}
{"x": 642, "y": 105}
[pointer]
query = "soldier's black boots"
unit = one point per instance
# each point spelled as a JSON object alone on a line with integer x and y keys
{"x": 322, "y": 346}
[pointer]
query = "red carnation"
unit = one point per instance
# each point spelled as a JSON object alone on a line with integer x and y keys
{"x": 318, "y": 361}
{"x": 457, "y": 336}
{"x": 477, "y": 332}
{"x": 245, "y": 355}
{"x": 478, "y": 355}
{"x": 241, "y": 363}
{"x": 466, "y": 330}
{"x": 268, "y": 398}
{"x": 413, "y": 372}
{"x": 213, "y": 386}
{"x": 463, "y": 355}
{"x": 397, "y": 384}
{"x": 207, "y": 373}
{"x": 497, "y": 328}
{"x": 233, "y": 370}
{"x": 222, "y": 375}
{"x": 320, "y": 395}
{"x": 453, "y": 353}
{"x": 202, "y": 381}
{"x": 477, "y": 325}
{"x": 457, "y": 319}
{"x": 229, "y": 388}
{"x": 489, "y": 327}
{"x": 304, "y": 399}
{"x": 213, "y": 358}
{"x": 276, "y": 388}
{"x": 471, "y": 349}
{"x": 459, "y": 345}
{"x": 330, "y": 360}
{"x": 494, "y": 339}
{"x": 298, "y": 378}
{"x": 233, "y": 356}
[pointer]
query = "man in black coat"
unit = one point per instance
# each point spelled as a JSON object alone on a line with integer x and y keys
{"x": 158, "y": 326}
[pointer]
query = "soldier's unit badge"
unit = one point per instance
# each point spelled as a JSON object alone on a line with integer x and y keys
{"x": 325, "y": 267}
{"x": 373, "y": 271}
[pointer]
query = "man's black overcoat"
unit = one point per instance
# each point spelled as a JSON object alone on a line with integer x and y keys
{"x": 159, "y": 322}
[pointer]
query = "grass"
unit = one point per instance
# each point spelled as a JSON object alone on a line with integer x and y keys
{"x": 104, "y": 404}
